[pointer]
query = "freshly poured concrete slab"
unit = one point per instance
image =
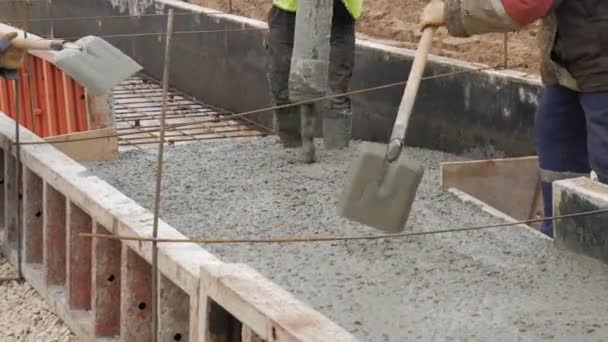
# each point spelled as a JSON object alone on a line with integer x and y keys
{"x": 504, "y": 284}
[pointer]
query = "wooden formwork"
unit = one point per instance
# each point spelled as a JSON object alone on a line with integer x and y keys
{"x": 511, "y": 186}
{"x": 102, "y": 288}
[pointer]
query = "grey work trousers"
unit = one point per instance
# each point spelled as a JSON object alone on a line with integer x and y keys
{"x": 279, "y": 43}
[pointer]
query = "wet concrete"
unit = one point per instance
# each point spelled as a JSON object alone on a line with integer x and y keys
{"x": 496, "y": 285}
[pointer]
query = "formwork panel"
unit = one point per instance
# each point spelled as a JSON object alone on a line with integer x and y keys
{"x": 106, "y": 284}
{"x": 174, "y": 308}
{"x": 136, "y": 297}
{"x": 54, "y": 230}
{"x": 10, "y": 196}
{"x": 78, "y": 258}
{"x": 32, "y": 217}
{"x": 50, "y": 102}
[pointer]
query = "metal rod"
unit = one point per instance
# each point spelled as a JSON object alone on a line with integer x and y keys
{"x": 9, "y": 279}
{"x": 159, "y": 174}
{"x": 506, "y": 50}
{"x": 307, "y": 117}
{"x": 14, "y": 2}
{"x": 50, "y": 9}
{"x": 211, "y": 13}
{"x": 262, "y": 110}
{"x": 146, "y": 34}
{"x": 341, "y": 238}
{"x": 17, "y": 199}
{"x": 28, "y": 67}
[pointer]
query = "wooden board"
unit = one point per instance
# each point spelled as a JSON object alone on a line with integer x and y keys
{"x": 97, "y": 146}
{"x": 509, "y": 185}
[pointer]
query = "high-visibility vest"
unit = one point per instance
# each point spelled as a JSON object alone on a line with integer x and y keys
{"x": 353, "y": 6}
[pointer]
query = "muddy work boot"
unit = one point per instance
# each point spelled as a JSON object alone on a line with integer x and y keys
{"x": 288, "y": 125}
{"x": 337, "y": 127}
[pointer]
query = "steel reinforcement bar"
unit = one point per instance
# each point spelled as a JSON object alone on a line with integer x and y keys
{"x": 102, "y": 288}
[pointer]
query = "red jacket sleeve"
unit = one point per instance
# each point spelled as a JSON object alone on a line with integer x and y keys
{"x": 468, "y": 17}
{"x": 526, "y": 12}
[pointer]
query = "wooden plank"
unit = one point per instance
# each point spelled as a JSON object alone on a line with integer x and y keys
{"x": 509, "y": 185}
{"x": 97, "y": 146}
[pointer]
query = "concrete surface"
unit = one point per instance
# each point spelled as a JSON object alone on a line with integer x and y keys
{"x": 582, "y": 235}
{"x": 499, "y": 285}
{"x": 24, "y": 316}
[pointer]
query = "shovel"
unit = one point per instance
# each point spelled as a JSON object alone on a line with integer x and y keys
{"x": 383, "y": 183}
{"x": 94, "y": 63}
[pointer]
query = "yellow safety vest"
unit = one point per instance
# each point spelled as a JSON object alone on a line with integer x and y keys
{"x": 353, "y": 6}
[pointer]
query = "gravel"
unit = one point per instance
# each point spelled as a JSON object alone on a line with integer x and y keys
{"x": 24, "y": 316}
{"x": 499, "y": 284}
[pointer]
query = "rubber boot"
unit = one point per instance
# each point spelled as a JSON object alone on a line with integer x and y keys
{"x": 546, "y": 226}
{"x": 337, "y": 127}
{"x": 308, "y": 134}
{"x": 288, "y": 125}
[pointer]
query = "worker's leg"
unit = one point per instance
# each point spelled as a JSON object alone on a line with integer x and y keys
{"x": 337, "y": 119}
{"x": 279, "y": 43}
{"x": 561, "y": 141}
{"x": 596, "y": 111}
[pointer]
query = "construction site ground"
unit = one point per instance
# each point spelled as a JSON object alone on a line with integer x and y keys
{"x": 24, "y": 316}
{"x": 499, "y": 284}
{"x": 396, "y": 22}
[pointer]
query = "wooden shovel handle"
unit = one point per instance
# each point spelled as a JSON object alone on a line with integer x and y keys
{"x": 37, "y": 44}
{"x": 413, "y": 83}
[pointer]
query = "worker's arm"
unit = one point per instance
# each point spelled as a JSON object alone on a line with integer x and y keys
{"x": 468, "y": 17}
{"x": 11, "y": 58}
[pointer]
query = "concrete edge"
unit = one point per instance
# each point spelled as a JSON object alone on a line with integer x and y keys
{"x": 592, "y": 190}
{"x": 585, "y": 235}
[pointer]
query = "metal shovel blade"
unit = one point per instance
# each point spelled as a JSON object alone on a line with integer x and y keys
{"x": 380, "y": 194}
{"x": 99, "y": 66}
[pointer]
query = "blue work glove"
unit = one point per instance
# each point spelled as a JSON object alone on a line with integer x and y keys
{"x": 11, "y": 58}
{"x": 5, "y": 43}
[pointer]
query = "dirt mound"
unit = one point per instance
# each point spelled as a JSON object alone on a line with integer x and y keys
{"x": 397, "y": 22}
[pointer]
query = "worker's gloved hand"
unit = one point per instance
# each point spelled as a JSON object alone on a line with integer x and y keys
{"x": 433, "y": 14}
{"x": 11, "y": 58}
